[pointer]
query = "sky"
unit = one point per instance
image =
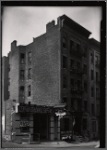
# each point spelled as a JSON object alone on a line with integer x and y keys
{"x": 24, "y": 23}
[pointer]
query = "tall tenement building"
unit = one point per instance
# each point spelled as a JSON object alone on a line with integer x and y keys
{"x": 57, "y": 72}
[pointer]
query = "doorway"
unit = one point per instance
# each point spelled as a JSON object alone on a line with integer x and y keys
{"x": 41, "y": 126}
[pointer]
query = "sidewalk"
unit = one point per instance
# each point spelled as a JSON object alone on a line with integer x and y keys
{"x": 50, "y": 144}
{"x": 65, "y": 144}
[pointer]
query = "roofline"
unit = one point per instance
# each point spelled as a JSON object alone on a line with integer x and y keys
{"x": 75, "y": 25}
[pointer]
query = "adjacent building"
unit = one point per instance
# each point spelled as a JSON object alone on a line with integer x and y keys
{"x": 57, "y": 72}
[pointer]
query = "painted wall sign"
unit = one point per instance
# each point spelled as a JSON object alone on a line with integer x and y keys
{"x": 34, "y": 109}
{"x": 24, "y": 124}
{"x": 38, "y": 109}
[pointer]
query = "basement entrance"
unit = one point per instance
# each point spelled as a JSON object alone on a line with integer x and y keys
{"x": 41, "y": 127}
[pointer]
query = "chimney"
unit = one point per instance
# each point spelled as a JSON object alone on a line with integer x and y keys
{"x": 13, "y": 45}
{"x": 50, "y": 25}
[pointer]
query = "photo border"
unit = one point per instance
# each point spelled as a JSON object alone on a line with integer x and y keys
{"x": 103, "y": 105}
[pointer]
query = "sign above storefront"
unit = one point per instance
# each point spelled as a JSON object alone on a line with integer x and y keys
{"x": 34, "y": 109}
{"x": 26, "y": 108}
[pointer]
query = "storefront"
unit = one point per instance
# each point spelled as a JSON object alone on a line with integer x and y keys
{"x": 40, "y": 122}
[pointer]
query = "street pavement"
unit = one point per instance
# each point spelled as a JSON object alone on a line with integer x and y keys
{"x": 53, "y": 145}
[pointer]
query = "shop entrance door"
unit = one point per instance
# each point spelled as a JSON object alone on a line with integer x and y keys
{"x": 40, "y": 127}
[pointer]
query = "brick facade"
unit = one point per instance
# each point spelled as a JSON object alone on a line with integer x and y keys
{"x": 55, "y": 69}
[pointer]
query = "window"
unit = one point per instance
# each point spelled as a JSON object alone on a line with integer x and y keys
{"x": 29, "y": 57}
{"x": 78, "y": 84}
{"x": 96, "y": 76}
{"x": 64, "y": 43}
{"x": 84, "y": 124}
{"x": 72, "y": 83}
{"x": 78, "y": 49}
{"x": 64, "y": 62}
{"x": 85, "y": 69}
{"x": 29, "y": 73}
{"x": 92, "y": 74}
{"x": 71, "y": 44}
{"x": 96, "y": 59}
{"x": 64, "y": 82}
{"x": 92, "y": 91}
{"x": 71, "y": 63}
{"x": 94, "y": 126}
{"x": 78, "y": 65}
{"x": 93, "y": 109}
{"x": 29, "y": 90}
{"x": 97, "y": 91}
{"x": 64, "y": 99}
{"x": 85, "y": 105}
{"x": 22, "y": 58}
{"x": 22, "y": 91}
{"x": 98, "y": 109}
{"x": 22, "y": 75}
{"x": 92, "y": 59}
{"x": 85, "y": 86}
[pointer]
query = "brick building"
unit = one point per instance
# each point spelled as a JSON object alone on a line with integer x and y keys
{"x": 58, "y": 71}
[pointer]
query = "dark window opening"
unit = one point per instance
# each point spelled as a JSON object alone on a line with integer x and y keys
{"x": 85, "y": 86}
{"x": 29, "y": 73}
{"x": 92, "y": 58}
{"x": 22, "y": 58}
{"x": 29, "y": 58}
{"x": 85, "y": 69}
{"x": 64, "y": 62}
{"x": 72, "y": 83}
{"x": 64, "y": 99}
{"x": 85, "y": 105}
{"x": 93, "y": 109}
{"x": 79, "y": 84}
{"x": 85, "y": 51}
{"x": 22, "y": 91}
{"x": 71, "y": 44}
{"x": 93, "y": 126}
{"x": 92, "y": 91}
{"x": 71, "y": 63}
{"x": 64, "y": 82}
{"x": 92, "y": 74}
{"x": 78, "y": 65}
{"x": 84, "y": 124}
{"x": 78, "y": 49}
{"x": 96, "y": 76}
{"x": 22, "y": 77}
{"x": 96, "y": 60}
{"x": 64, "y": 43}
{"x": 29, "y": 90}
